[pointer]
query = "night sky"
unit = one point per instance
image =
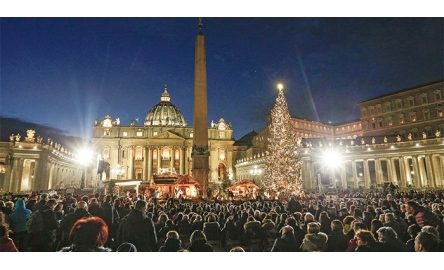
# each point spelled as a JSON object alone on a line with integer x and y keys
{"x": 66, "y": 72}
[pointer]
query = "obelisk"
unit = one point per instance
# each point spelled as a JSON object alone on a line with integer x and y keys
{"x": 200, "y": 153}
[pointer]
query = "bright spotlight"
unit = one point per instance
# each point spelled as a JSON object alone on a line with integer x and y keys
{"x": 84, "y": 156}
{"x": 332, "y": 158}
{"x": 280, "y": 86}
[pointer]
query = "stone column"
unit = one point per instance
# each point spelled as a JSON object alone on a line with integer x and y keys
{"x": 431, "y": 177}
{"x": 417, "y": 176}
{"x": 402, "y": 171}
{"x": 392, "y": 171}
{"x": 181, "y": 160}
{"x": 366, "y": 174}
{"x": 145, "y": 166}
{"x": 173, "y": 158}
{"x": 378, "y": 172}
{"x": 355, "y": 175}
{"x": 37, "y": 175}
{"x": 343, "y": 177}
{"x": 150, "y": 162}
{"x": 405, "y": 171}
{"x": 159, "y": 158}
{"x": 130, "y": 172}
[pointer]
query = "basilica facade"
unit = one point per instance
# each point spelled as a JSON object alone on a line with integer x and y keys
{"x": 163, "y": 145}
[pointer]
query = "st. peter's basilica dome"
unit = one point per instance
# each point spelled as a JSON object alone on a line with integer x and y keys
{"x": 165, "y": 113}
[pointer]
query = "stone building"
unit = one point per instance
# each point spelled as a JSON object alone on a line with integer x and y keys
{"x": 398, "y": 139}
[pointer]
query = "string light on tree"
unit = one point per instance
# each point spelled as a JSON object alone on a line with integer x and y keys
{"x": 283, "y": 167}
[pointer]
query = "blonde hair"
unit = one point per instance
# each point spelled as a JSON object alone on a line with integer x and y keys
{"x": 313, "y": 227}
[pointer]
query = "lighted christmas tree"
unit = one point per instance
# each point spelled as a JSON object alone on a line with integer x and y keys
{"x": 283, "y": 171}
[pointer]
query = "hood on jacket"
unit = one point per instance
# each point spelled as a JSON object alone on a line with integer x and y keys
{"x": 315, "y": 241}
{"x": 20, "y": 204}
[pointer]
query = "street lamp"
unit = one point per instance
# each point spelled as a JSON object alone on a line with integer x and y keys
{"x": 84, "y": 157}
{"x": 255, "y": 172}
{"x": 118, "y": 171}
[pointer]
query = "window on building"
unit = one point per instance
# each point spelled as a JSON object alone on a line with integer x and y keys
{"x": 155, "y": 154}
{"x": 390, "y": 121}
{"x": 363, "y": 111}
{"x": 415, "y": 133}
{"x": 222, "y": 135}
{"x": 424, "y": 98}
{"x": 387, "y": 107}
{"x": 373, "y": 125}
{"x": 372, "y": 110}
{"x": 378, "y": 109}
{"x": 411, "y": 101}
{"x": 125, "y": 134}
{"x": 106, "y": 132}
{"x": 398, "y": 104}
{"x": 401, "y": 118}
{"x": 413, "y": 116}
{"x": 438, "y": 95}
{"x": 426, "y": 113}
{"x": 380, "y": 122}
{"x": 191, "y": 135}
{"x": 154, "y": 133}
{"x": 439, "y": 111}
{"x": 139, "y": 133}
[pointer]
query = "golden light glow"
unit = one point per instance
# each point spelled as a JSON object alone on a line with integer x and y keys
{"x": 280, "y": 86}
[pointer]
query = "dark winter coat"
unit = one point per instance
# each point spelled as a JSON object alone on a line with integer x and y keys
{"x": 212, "y": 230}
{"x": 200, "y": 246}
{"x": 337, "y": 242}
{"x": 171, "y": 245}
{"x": 286, "y": 243}
{"x": 315, "y": 242}
{"x": 137, "y": 229}
{"x": 70, "y": 219}
{"x": 294, "y": 206}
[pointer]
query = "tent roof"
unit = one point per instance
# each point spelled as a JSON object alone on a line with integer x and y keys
{"x": 187, "y": 180}
{"x": 244, "y": 183}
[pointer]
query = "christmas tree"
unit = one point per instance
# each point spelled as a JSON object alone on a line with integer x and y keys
{"x": 283, "y": 170}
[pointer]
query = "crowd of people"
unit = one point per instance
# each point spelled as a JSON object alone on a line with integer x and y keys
{"x": 401, "y": 221}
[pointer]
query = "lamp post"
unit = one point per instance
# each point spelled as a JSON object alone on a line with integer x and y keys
{"x": 118, "y": 171}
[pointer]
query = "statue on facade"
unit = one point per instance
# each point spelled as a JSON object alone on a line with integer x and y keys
{"x": 39, "y": 139}
{"x": 362, "y": 141}
{"x": 30, "y": 135}
{"x": 133, "y": 122}
{"x": 11, "y": 138}
{"x": 385, "y": 139}
{"x": 96, "y": 122}
{"x": 17, "y": 137}
{"x": 118, "y": 121}
{"x": 398, "y": 138}
{"x": 352, "y": 142}
{"x": 212, "y": 123}
{"x": 48, "y": 141}
{"x": 373, "y": 140}
{"x": 409, "y": 136}
{"x": 424, "y": 135}
{"x": 320, "y": 144}
{"x": 437, "y": 133}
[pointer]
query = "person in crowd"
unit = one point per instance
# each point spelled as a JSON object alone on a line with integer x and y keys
{"x": 137, "y": 229}
{"x": 41, "y": 203}
{"x": 325, "y": 222}
{"x": 367, "y": 218}
{"x": 426, "y": 242}
{"x": 94, "y": 207}
{"x": 18, "y": 219}
{"x": 6, "y": 243}
{"x": 198, "y": 242}
{"x": 172, "y": 242}
{"x": 88, "y": 235}
{"x": 413, "y": 231}
{"x": 390, "y": 240}
{"x": 337, "y": 240}
{"x": 237, "y": 249}
{"x": 160, "y": 223}
{"x": 212, "y": 229}
{"x": 390, "y": 222}
{"x": 436, "y": 233}
{"x": 81, "y": 211}
{"x": 353, "y": 243}
{"x": 287, "y": 242}
{"x": 198, "y": 223}
{"x": 293, "y": 205}
{"x": 314, "y": 240}
{"x": 31, "y": 202}
{"x": 423, "y": 216}
{"x": 45, "y": 240}
{"x": 366, "y": 242}
{"x": 389, "y": 203}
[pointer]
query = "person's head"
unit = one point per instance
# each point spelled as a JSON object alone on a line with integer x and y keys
{"x": 386, "y": 234}
{"x": 389, "y": 217}
{"x": 426, "y": 242}
{"x": 323, "y": 216}
{"x": 172, "y": 234}
{"x": 413, "y": 230}
{"x": 364, "y": 237}
{"x": 357, "y": 212}
{"x": 89, "y": 232}
{"x": 287, "y": 229}
{"x": 9, "y": 205}
{"x": 308, "y": 218}
{"x": 82, "y": 205}
{"x": 389, "y": 197}
{"x": 336, "y": 226}
{"x": 44, "y": 196}
{"x": 141, "y": 205}
{"x": 4, "y": 229}
{"x": 348, "y": 220}
{"x": 357, "y": 225}
{"x": 51, "y": 203}
{"x": 237, "y": 249}
{"x": 162, "y": 219}
{"x": 198, "y": 236}
{"x": 412, "y": 207}
{"x": 313, "y": 227}
{"x": 430, "y": 229}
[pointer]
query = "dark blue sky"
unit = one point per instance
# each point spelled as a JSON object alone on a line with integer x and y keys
{"x": 65, "y": 72}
